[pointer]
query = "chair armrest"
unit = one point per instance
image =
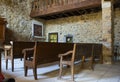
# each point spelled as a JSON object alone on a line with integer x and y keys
{"x": 67, "y": 53}
{"x": 26, "y": 52}
{"x": 27, "y": 49}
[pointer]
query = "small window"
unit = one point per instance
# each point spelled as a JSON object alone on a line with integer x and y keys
{"x": 53, "y": 37}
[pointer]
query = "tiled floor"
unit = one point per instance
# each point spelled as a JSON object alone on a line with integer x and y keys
{"x": 101, "y": 73}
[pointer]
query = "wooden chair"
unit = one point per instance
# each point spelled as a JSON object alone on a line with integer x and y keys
{"x": 8, "y": 55}
{"x": 29, "y": 62}
{"x": 67, "y": 62}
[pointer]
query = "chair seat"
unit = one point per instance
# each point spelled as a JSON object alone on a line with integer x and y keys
{"x": 7, "y": 47}
{"x": 29, "y": 63}
{"x": 66, "y": 62}
{"x": 8, "y": 57}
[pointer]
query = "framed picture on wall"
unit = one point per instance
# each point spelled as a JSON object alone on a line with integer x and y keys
{"x": 69, "y": 38}
{"x": 37, "y": 29}
{"x": 53, "y": 37}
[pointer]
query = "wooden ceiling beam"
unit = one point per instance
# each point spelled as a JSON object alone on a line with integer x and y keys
{"x": 85, "y": 6}
{"x": 65, "y": 8}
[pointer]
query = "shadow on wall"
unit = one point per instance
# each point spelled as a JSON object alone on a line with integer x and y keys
{"x": 10, "y": 35}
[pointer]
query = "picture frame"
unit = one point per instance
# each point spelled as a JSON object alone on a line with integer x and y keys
{"x": 53, "y": 37}
{"x": 69, "y": 38}
{"x": 37, "y": 29}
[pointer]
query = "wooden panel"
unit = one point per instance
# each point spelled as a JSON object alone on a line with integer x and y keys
{"x": 1, "y": 32}
{"x": 2, "y": 29}
{"x": 18, "y": 46}
{"x": 47, "y": 52}
{"x": 85, "y": 49}
{"x": 63, "y": 6}
{"x": 117, "y": 4}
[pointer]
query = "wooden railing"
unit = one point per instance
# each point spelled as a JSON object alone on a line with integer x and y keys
{"x": 42, "y": 7}
{"x": 44, "y": 4}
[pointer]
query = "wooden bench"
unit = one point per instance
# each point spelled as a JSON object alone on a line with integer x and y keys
{"x": 15, "y": 51}
{"x": 46, "y": 52}
{"x": 90, "y": 52}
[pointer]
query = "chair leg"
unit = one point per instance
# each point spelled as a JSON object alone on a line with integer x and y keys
{"x": 35, "y": 73}
{"x": 12, "y": 65}
{"x": 21, "y": 59}
{"x": 6, "y": 64}
{"x": 59, "y": 64}
{"x": 60, "y": 72}
{"x": 25, "y": 70}
{"x": 82, "y": 63}
{"x": 91, "y": 63}
{"x": 72, "y": 72}
{"x": 6, "y": 59}
{"x": 101, "y": 59}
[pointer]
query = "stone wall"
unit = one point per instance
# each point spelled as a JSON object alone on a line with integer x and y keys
{"x": 85, "y": 28}
{"x": 19, "y": 21}
{"x": 117, "y": 26}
